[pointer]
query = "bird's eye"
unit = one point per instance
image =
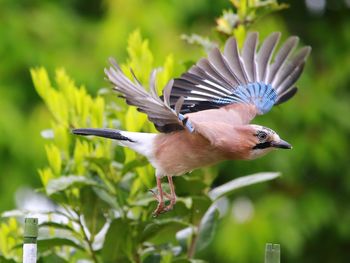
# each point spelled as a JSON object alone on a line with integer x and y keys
{"x": 262, "y": 136}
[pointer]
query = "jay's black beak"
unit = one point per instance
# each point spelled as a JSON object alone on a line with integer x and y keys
{"x": 281, "y": 144}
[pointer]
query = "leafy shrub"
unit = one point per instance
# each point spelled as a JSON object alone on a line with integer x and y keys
{"x": 102, "y": 208}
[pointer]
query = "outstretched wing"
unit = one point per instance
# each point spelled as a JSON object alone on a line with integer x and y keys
{"x": 159, "y": 111}
{"x": 225, "y": 80}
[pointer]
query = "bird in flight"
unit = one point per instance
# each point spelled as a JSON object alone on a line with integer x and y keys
{"x": 204, "y": 115}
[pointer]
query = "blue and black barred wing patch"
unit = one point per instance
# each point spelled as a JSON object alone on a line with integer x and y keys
{"x": 247, "y": 77}
{"x": 263, "y": 96}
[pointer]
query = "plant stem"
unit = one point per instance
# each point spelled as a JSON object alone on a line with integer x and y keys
{"x": 87, "y": 240}
{"x": 192, "y": 246}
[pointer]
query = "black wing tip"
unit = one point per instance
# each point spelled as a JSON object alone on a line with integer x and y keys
{"x": 287, "y": 95}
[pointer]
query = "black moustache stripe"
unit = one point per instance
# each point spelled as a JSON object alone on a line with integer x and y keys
{"x": 262, "y": 145}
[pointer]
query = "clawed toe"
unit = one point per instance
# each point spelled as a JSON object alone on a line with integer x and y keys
{"x": 161, "y": 208}
{"x": 155, "y": 195}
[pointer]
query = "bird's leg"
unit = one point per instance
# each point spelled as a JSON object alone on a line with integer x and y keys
{"x": 172, "y": 196}
{"x": 159, "y": 198}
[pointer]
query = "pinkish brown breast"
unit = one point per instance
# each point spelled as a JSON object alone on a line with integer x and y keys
{"x": 180, "y": 152}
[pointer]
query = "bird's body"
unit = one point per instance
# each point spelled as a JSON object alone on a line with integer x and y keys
{"x": 194, "y": 150}
{"x": 204, "y": 116}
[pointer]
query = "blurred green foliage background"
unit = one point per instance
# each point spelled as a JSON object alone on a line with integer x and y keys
{"x": 307, "y": 210}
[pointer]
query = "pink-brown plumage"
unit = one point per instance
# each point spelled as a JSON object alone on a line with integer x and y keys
{"x": 180, "y": 152}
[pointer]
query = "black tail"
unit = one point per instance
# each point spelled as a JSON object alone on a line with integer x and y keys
{"x": 106, "y": 133}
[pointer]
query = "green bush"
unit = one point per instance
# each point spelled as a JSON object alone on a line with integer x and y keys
{"x": 102, "y": 190}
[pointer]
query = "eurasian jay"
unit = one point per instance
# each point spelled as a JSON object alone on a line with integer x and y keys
{"x": 204, "y": 116}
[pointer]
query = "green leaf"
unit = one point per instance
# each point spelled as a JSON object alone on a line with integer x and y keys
{"x": 61, "y": 139}
{"x": 66, "y": 182}
{"x": 264, "y": 8}
{"x": 52, "y": 258}
{"x": 140, "y": 57}
{"x": 166, "y": 256}
{"x": 152, "y": 257}
{"x": 10, "y": 238}
{"x": 107, "y": 197}
{"x": 49, "y": 243}
{"x": 82, "y": 150}
{"x": 138, "y": 162}
{"x": 41, "y": 81}
{"x": 164, "y": 227}
{"x": 56, "y": 226}
{"x": 46, "y": 175}
{"x": 182, "y": 260}
{"x": 184, "y": 237}
{"x": 200, "y": 204}
{"x": 165, "y": 74}
{"x": 135, "y": 119}
{"x": 6, "y": 260}
{"x": 54, "y": 157}
{"x": 188, "y": 185}
{"x": 207, "y": 229}
{"x": 118, "y": 245}
{"x": 93, "y": 210}
{"x": 240, "y": 182}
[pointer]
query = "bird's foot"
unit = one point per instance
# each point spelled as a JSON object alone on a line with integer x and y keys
{"x": 161, "y": 208}
{"x": 172, "y": 200}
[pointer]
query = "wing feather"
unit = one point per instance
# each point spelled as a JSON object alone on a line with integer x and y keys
{"x": 229, "y": 87}
{"x": 158, "y": 111}
{"x": 297, "y": 61}
{"x": 234, "y": 60}
{"x": 264, "y": 55}
{"x": 218, "y": 61}
{"x": 286, "y": 95}
{"x": 212, "y": 71}
{"x": 248, "y": 55}
{"x": 247, "y": 78}
{"x": 281, "y": 57}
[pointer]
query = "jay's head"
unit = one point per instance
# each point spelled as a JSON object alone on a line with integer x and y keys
{"x": 264, "y": 140}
